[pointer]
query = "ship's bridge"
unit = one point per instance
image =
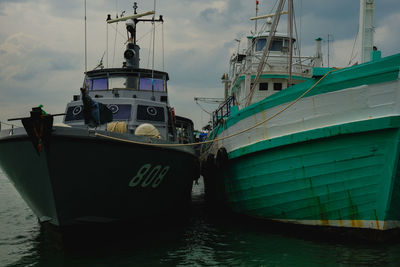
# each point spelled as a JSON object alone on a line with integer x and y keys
{"x": 280, "y": 42}
{"x": 127, "y": 82}
{"x": 130, "y": 79}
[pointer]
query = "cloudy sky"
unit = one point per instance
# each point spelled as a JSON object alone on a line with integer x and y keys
{"x": 42, "y": 44}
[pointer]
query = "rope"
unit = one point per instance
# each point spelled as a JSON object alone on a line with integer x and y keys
{"x": 225, "y": 137}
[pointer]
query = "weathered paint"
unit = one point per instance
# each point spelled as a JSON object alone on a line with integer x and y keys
{"x": 337, "y": 180}
{"x": 379, "y": 71}
{"x": 330, "y": 159}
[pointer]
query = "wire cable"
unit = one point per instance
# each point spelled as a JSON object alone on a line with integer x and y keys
{"x": 225, "y": 137}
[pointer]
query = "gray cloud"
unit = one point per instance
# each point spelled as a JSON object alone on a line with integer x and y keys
{"x": 200, "y": 33}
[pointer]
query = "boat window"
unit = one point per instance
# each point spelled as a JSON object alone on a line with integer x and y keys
{"x": 74, "y": 113}
{"x": 263, "y": 86}
{"x": 276, "y": 45}
{"x": 117, "y": 82}
{"x": 120, "y": 112}
{"x": 277, "y": 86}
{"x": 260, "y": 44}
{"x": 97, "y": 84}
{"x": 146, "y": 84}
{"x": 150, "y": 113}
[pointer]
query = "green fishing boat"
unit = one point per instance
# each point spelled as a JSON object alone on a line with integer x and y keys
{"x": 304, "y": 144}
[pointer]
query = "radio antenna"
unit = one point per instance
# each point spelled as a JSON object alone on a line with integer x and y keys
{"x": 85, "y": 40}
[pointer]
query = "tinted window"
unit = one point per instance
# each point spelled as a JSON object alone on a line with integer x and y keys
{"x": 120, "y": 112}
{"x": 277, "y": 86}
{"x": 97, "y": 84}
{"x": 74, "y": 113}
{"x": 260, "y": 44}
{"x": 263, "y": 86}
{"x": 150, "y": 113}
{"x": 276, "y": 45}
{"x": 146, "y": 84}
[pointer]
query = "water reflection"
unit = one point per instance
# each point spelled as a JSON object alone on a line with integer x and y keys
{"x": 202, "y": 239}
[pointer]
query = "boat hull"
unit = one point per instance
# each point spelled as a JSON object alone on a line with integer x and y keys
{"x": 83, "y": 178}
{"x": 329, "y": 160}
{"x": 348, "y": 180}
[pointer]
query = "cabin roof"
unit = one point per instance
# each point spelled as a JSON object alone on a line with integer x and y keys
{"x": 99, "y": 72}
{"x": 266, "y": 34}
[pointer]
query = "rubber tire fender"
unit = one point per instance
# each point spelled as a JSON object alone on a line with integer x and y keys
{"x": 222, "y": 158}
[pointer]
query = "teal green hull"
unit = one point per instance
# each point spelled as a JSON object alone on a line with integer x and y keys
{"x": 345, "y": 176}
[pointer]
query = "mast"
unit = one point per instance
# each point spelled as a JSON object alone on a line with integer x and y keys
{"x": 267, "y": 48}
{"x": 255, "y": 26}
{"x": 290, "y": 10}
{"x": 366, "y": 29}
{"x": 85, "y": 39}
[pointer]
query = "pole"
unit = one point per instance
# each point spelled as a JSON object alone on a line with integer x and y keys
{"x": 85, "y": 40}
{"x": 255, "y": 28}
{"x": 290, "y": 3}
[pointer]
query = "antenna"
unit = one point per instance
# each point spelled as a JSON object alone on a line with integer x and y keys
{"x": 329, "y": 40}
{"x": 85, "y": 40}
{"x": 255, "y": 26}
{"x": 154, "y": 41}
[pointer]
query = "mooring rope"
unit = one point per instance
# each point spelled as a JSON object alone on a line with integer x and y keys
{"x": 225, "y": 137}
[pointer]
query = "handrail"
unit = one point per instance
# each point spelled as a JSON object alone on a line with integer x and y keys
{"x": 223, "y": 111}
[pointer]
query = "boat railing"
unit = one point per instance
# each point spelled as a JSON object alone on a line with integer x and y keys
{"x": 223, "y": 111}
{"x": 9, "y": 126}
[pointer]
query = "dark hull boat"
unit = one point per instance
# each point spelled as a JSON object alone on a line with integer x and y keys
{"x": 115, "y": 159}
{"x": 82, "y": 177}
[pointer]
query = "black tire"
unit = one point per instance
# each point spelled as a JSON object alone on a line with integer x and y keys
{"x": 222, "y": 158}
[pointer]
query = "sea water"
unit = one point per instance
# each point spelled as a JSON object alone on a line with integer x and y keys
{"x": 203, "y": 239}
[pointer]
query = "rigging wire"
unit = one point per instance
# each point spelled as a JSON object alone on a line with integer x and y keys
{"x": 243, "y": 68}
{"x": 154, "y": 41}
{"x": 298, "y": 43}
{"x": 227, "y": 136}
{"x": 150, "y": 45}
{"x": 121, "y": 34}
{"x": 354, "y": 45}
{"x": 116, "y": 30}
{"x": 266, "y": 50}
{"x": 115, "y": 43}
{"x": 203, "y": 109}
{"x": 147, "y": 33}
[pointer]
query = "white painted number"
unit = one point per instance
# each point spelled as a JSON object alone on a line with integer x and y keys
{"x": 149, "y": 175}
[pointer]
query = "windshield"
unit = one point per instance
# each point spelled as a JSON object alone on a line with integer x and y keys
{"x": 125, "y": 82}
{"x": 97, "y": 84}
{"x": 146, "y": 84}
{"x": 277, "y": 44}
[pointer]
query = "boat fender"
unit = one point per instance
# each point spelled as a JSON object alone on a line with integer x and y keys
{"x": 222, "y": 158}
{"x": 147, "y": 129}
{"x": 207, "y": 165}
